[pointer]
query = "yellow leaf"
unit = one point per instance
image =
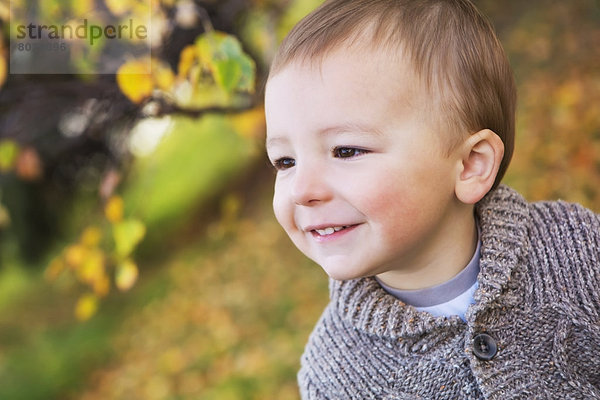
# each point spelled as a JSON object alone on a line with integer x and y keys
{"x": 164, "y": 78}
{"x": 82, "y": 8}
{"x": 102, "y": 285}
{"x": 54, "y": 269}
{"x": 86, "y": 306}
{"x": 187, "y": 58}
{"x": 92, "y": 267}
{"x": 135, "y": 79}
{"x": 74, "y": 255}
{"x": 114, "y": 209}
{"x": 91, "y": 236}
{"x": 118, "y": 7}
{"x": 126, "y": 275}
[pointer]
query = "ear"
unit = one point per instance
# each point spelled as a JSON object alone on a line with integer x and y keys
{"x": 481, "y": 157}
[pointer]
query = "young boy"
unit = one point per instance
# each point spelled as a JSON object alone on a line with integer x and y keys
{"x": 390, "y": 124}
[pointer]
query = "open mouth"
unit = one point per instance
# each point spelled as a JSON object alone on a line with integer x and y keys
{"x": 330, "y": 230}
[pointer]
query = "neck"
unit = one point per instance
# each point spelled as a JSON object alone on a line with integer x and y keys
{"x": 450, "y": 249}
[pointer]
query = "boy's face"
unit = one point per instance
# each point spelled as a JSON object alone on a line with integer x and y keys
{"x": 362, "y": 185}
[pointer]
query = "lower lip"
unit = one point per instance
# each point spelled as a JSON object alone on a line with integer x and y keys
{"x": 334, "y": 235}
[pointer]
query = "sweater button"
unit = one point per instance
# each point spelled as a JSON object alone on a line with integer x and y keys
{"x": 484, "y": 347}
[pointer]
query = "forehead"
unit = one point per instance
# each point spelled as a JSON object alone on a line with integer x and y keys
{"x": 369, "y": 84}
{"x": 359, "y": 52}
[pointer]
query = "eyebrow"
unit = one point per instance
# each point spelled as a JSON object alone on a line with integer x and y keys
{"x": 342, "y": 128}
{"x": 350, "y": 127}
{"x": 274, "y": 140}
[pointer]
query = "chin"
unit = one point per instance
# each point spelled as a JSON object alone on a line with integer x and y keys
{"x": 343, "y": 272}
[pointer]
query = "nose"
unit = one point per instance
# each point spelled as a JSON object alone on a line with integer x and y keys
{"x": 310, "y": 186}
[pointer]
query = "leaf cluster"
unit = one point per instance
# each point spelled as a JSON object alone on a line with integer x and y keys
{"x": 91, "y": 258}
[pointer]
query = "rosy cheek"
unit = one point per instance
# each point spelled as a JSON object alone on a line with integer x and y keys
{"x": 396, "y": 210}
{"x": 279, "y": 207}
{"x": 281, "y": 217}
{"x": 284, "y": 214}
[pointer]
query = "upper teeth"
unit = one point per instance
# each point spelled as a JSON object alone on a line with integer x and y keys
{"x": 330, "y": 230}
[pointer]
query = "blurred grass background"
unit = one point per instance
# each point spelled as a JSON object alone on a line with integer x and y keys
{"x": 224, "y": 303}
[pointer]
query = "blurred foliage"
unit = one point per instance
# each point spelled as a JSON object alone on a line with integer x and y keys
{"x": 194, "y": 159}
{"x": 75, "y": 153}
{"x": 89, "y": 259}
{"x": 554, "y": 48}
{"x": 214, "y": 75}
{"x": 155, "y": 176}
{"x": 233, "y": 325}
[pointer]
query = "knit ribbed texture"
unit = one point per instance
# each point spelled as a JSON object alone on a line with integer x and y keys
{"x": 538, "y": 297}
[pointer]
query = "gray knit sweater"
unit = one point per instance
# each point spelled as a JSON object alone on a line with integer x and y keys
{"x": 538, "y": 304}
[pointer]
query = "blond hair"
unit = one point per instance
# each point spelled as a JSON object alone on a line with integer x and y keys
{"x": 450, "y": 45}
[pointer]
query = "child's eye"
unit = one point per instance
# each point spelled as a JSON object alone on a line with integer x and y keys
{"x": 348, "y": 152}
{"x": 284, "y": 163}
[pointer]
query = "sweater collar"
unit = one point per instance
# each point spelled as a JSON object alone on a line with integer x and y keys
{"x": 503, "y": 216}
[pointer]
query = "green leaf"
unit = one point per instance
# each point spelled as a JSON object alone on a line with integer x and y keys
{"x": 9, "y": 150}
{"x": 246, "y": 82}
{"x": 230, "y": 47}
{"x": 204, "y": 48}
{"x": 227, "y": 73}
{"x": 127, "y": 235}
{"x": 223, "y": 56}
